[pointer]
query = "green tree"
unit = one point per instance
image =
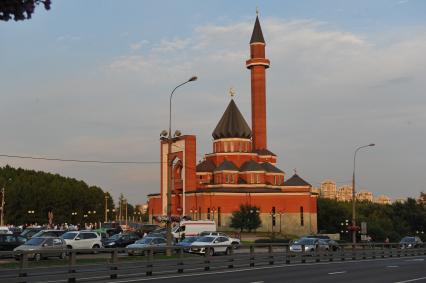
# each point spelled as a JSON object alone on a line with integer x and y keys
{"x": 247, "y": 218}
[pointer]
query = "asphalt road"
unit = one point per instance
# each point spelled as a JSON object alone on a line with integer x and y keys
{"x": 396, "y": 270}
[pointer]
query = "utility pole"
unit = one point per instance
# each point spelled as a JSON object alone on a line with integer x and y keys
{"x": 2, "y": 207}
{"x": 125, "y": 202}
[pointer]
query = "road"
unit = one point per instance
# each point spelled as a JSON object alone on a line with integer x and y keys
{"x": 396, "y": 270}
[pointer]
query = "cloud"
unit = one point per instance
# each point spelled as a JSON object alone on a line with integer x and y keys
{"x": 138, "y": 45}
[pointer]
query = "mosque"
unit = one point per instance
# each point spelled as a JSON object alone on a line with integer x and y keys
{"x": 239, "y": 170}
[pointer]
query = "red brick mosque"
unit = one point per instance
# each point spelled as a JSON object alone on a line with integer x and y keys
{"x": 239, "y": 170}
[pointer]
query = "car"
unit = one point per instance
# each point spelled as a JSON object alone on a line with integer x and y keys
{"x": 42, "y": 248}
{"x": 310, "y": 244}
{"x": 29, "y": 232}
{"x": 332, "y": 244}
{"x": 8, "y": 242}
{"x": 161, "y": 232}
{"x": 121, "y": 240}
{"x": 49, "y": 233}
{"x": 217, "y": 244}
{"x": 82, "y": 240}
{"x": 187, "y": 242}
{"x": 324, "y": 237}
{"x": 146, "y": 228}
{"x": 5, "y": 230}
{"x": 235, "y": 241}
{"x": 146, "y": 242}
{"x": 410, "y": 242}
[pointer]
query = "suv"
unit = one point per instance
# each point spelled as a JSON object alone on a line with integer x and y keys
{"x": 9, "y": 242}
{"x": 235, "y": 243}
{"x": 82, "y": 240}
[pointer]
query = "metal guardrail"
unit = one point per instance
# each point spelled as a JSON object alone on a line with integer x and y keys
{"x": 247, "y": 255}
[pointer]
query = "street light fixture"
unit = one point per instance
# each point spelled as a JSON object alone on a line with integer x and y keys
{"x": 353, "y": 194}
{"x": 170, "y": 167}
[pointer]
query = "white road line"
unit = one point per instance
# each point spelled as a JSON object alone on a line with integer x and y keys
{"x": 392, "y": 266}
{"x": 337, "y": 272}
{"x": 416, "y": 259}
{"x": 411, "y": 280}
{"x": 258, "y": 282}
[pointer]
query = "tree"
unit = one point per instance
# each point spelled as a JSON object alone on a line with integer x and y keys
{"x": 247, "y": 218}
{"x": 20, "y": 9}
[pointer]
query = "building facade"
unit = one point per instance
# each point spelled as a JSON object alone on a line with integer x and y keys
{"x": 239, "y": 170}
{"x": 364, "y": 196}
{"x": 328, "y": 189}
{"x": 344, "y": 193}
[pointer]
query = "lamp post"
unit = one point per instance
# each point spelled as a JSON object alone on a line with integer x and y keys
{"x": 170, "y": 167}
{"x": 353, "y": 194}
{"x": 106, "y": 207}
{"x": 31, "y": 212}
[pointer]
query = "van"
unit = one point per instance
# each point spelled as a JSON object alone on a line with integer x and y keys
{"x": 190, "y": 228}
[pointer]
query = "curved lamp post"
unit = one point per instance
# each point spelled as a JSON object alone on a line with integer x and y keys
{"x": 169, "y": 169}
{"x": 353, "y": 193}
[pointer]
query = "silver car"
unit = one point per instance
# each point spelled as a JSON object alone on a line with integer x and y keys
{"x": 310, "y": 244}
{"x": 146, "y": 242}
{"x": 43, "y": 248}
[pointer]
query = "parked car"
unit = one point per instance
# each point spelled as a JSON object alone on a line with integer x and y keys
{"x": 217, "y": 244}
{"x": 82, "y": 240}
{"x": 146, "y": 228}
{"x": 235, "y": 242}
{"x": 187, "y": 242}
{"x": 310, "y": 244}
{"x": 332, "y": 244}
{"x": 161, "y": 232}
{"x": 410, "y": 242}
{"x": 121, "y": 240}
{"x": 29, "y": 232}
{"x": 49, "y": 233}
{"x": 9, "y": 241}
{"x": 146, "y": 242}
{"x": 42, "y": 248}
{"x": 5, "y": 230}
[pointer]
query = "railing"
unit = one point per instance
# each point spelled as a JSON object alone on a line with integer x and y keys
{"x": 116, "y": 264}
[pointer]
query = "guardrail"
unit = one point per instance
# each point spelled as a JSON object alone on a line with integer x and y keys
{"x": 116, "y": 264}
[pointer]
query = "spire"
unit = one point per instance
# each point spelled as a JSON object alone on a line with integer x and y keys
{"x": 232, "y": 124}
{"x": 257, "y": 35}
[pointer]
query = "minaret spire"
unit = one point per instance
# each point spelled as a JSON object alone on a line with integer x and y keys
{"x": 258, "y": 65}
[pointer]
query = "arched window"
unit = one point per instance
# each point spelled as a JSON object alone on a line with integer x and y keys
{"x": 302, "y": 222}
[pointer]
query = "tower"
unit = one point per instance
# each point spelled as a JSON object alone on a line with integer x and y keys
{"x": 258, "y": 65}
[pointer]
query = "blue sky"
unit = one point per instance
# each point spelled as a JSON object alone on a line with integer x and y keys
{"x": 90, "y": 80}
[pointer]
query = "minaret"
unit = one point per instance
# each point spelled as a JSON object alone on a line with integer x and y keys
{"x": 257, "y": 65}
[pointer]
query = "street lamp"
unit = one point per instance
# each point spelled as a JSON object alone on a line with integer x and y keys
{"x": 353, "y": 194}
{"x": 106, "y": 207}
{"x": 169, "y": 168}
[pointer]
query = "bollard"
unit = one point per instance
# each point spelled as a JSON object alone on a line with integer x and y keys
{"x": 114, "y": 261}
{"x": 317, "y": 254}
{"x": 71, "y": 264}
{"x": 342, "y": 253}
{"x": 302, "y": 255}
{"x": 23, "y": 264}
{"x": 180, "y": 262}
{"x": 271, "y": 256}
{"x": 353, "y": 252}
{"x": 251, "y": 256}
{"x": 231, "y": 260}
{"x": 150, "y": 263}
{"x": 383, "y": 251}
{"x": 207, "y": 260}
{"x": 287, "y": 252}
{"x": 391, "y": 250}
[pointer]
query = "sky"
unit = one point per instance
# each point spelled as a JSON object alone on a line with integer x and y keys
{"x": 91, "y": 80}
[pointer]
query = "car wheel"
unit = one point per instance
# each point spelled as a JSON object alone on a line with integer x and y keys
{"x": 37, "y": 257}
{"x": 62, "y": 255}
{"x": 235, "y": 245}
{"x": 96, "y": 246}
{"x": 211, "y": 252}
{"x": 227, "y": 251}
{"x": 69, "y": 247}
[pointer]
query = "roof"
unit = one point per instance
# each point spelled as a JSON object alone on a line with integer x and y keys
{"x": 232, "y": 124}
{"x": 264, "y": 152}
{"x": 206, "y": 166}
{"x": 295, "y": 180}
{"x": 271, "y": 168}
{"x": 226, "y": 165}
{"x": 251, "y": 165}
{"x": 257, "y": 35}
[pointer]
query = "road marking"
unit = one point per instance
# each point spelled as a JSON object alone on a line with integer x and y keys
{"x": 258, "y": 282}
{"x": 415, "y": 259}
{"x": 411, "y": 280}
{"x": 337, "y": 272}
{"x": 392, "y": 266}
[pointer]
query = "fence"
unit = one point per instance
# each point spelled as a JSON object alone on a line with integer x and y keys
{"x": 117, "y": 264}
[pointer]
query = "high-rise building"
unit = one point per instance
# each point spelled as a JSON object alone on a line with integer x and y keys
{"x": 328, "y": 189}
{"x": 364, "y": 195}
{"x": 383, "y": 199}
{"x": 344, "y": 193}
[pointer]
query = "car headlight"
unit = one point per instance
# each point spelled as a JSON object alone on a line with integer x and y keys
{"x": 111, "y": 244}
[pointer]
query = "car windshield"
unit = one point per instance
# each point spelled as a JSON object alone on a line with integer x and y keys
{"x": 189, "y": 240}
{"x": 115, "y": 237}
{"x": 34, "y": 242}
{"x": 69, "y": 235}
{"x": 29, "y": 232}
{"x": 305, "y": 241}
{"x": 144, "y": 241}
{"x": 408, "y": 240}
{"x": 206, "y": 239}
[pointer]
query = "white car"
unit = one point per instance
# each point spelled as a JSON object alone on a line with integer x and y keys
{"x": 217, "y": 244}
{"x": 82, "y": 240}
{"x": 235, "y": 242}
